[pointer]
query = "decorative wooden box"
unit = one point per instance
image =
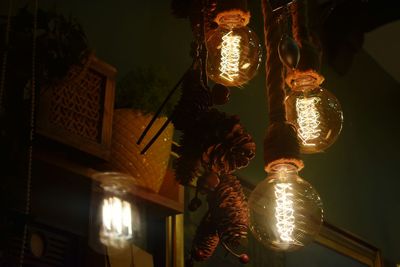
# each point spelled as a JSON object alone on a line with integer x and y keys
{"x": 78, "y": 112}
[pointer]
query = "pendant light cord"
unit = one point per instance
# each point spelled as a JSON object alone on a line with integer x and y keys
{"x": 309, "y": 44}
{"x": 273, "y": 67}
{"x": 31, "y": 134}
{"x": 5, "y": 54}
{"x": 280, "y": 143}
{"x": 300, "y": 21}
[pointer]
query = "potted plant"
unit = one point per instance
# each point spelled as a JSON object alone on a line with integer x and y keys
{"x": 138, "y": 95}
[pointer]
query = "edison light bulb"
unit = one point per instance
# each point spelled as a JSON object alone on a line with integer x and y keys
{"x": 316, "y": 114}
{"x": 234, "y": 52}
{"x": 114, "y": 217}
{"x": 285, "y": 211}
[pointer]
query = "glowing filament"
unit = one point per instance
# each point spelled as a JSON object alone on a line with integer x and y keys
{"x": 284, "y": 212}
{"x": 117, "y": 222}
{"x": 308, "y": 119}
{"x": 230, "y": 56}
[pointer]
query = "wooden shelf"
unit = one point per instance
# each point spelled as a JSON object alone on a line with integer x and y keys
{"x": 169, "y": 201}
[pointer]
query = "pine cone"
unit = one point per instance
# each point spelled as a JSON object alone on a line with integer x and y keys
{"x": 210, "y": 127}
{"x": 206, "y": 239}
{"x": 230, "y": 211}
{"x": 208, "y": 181}
{"x": 233, "y": 151}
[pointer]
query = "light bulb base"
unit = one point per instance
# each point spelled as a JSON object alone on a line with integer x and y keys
{"x": 299, "y": 79}
{"x": 281, "y": 146}
{"x": 232, "y": 9}
{"x": 284, "y": 167}
{"x": 271, "y": 167}
{"x": 233, "y": 18}
{"x": 115, "y": 181}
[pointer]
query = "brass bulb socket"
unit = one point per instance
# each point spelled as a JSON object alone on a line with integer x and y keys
{"x": 294, "y": 75}
{"x": 243, "y": 17}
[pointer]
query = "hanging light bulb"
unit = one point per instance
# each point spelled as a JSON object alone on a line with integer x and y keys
{"x": 234, "y": 51}
{"x": 114, "y": 218}
{"x": 285, "y": 211}
{"x": 315, "y": 112}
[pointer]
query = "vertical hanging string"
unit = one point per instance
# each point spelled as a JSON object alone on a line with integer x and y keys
{"x": 300, "y": 22}
{"x": 31, "y": 133}
{"x": 5, "y": 55}
{"x": 310, "y": 51}
{"x": 273, "y": 66}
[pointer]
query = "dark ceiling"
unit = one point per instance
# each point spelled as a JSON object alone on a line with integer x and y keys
{"x": 345, "y": 25}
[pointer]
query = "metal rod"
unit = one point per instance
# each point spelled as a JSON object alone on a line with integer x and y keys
{"x": 153, "y": 119}
{"x": 156, "y": 136}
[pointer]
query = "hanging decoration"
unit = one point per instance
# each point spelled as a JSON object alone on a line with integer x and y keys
{"x": 226, "y": 221}
{"x": 213, "y": 145}
{"x": 285, "y": 211}
{"x": 313, "y": 110}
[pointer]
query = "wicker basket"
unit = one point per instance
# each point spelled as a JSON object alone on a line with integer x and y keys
{"x": 149, "y": 169}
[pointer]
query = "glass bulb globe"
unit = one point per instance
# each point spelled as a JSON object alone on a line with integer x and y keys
{"x": 114, "y": 217}
{"x": 316, "y": 114}
{"x": 234, "y": 52}
{"x": 285, "y": 211}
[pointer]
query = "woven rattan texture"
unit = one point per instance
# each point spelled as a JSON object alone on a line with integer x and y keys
{"x": 148, "y": 170}
{"x": 77, "y": 106}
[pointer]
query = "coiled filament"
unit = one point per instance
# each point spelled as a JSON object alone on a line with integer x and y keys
{"x": 230, "y": 56}
{"x": 308, "y": 119}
